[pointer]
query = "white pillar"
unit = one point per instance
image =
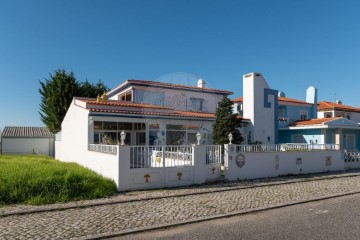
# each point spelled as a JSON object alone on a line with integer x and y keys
{"x": 124, "y": 168}
{"x": 199, "y": 158}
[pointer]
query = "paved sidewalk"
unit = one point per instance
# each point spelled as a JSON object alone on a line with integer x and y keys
{"x": 139, "y": 210}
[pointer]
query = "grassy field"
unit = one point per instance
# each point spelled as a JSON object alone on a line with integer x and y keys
{"x": 40, "y": 180}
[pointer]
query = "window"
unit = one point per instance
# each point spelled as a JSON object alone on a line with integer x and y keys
{"x": 181, "y": 134}
{"x": 350, "y": 143}
{"x": 328, "y": 115}
{"x": 197, "y": 104}
{"x": 154, "y": 134}
{"x": 281, "y": 113}
{"x": 125, "y": 96}
{"x": 303, "y": 115}
{"x": 297, "y": 138}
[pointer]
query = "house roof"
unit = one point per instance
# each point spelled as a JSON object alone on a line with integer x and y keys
{"x": 124, "y": 104}
{"x": 145, "y": 113}
{"x": 330, "y": 106}
{"x": 315, "y": 121}
{"x": 27, "y": 132}
{"x": 281, "y": 99}
{"x": 149, "y": 83}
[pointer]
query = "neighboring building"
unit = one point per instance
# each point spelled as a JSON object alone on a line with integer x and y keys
{"x": 274, "y": 118}
{"x": 27, "y": 140}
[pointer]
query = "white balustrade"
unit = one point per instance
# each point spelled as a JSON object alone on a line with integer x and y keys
{"x": 160, "y": 156}
{"x": 110, "y": 149}
{"x": 287, "y": 147}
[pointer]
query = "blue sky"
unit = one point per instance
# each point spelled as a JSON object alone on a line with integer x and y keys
{"x": 294, "y": 44}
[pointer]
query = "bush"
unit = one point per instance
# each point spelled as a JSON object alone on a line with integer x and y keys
{"x": 40, "y": 180}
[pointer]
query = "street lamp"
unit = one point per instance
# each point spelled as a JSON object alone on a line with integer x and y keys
{"x": 122, "y": 137}
{"x": 198, "y": 138}
{"x": 230, "y": 137}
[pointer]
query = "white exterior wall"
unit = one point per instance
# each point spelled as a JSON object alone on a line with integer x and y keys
{"x": 73, "y": 146}
{"x": 354, "y": 116}
{"x": 41, "y": 146}
{"x": 181, "y": 99}
{"x": 273, "y": 164}
{"x": 262, "y": 119}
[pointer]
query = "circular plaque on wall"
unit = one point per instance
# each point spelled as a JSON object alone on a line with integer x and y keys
{"x": 240, "y": 160}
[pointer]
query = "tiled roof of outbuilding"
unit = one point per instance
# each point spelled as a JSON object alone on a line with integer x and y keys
{"x": 326, "y": 106}
{"x": 307, "y": 122}
{"x": 27, "y": 132}
{"x": 281, "y": 99}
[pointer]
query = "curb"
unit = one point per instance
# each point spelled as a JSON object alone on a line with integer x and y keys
{"x": 256, "y": 185}
{"x": 236, "y": 213}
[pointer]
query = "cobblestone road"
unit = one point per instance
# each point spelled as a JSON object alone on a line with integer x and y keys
{"x": 129, "y": 215}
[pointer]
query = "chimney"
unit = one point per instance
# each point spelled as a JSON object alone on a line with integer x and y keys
{"x": 338, "y": 102}
{"x": 201, "y": 83}
{"x": 282, "y": 94}
{"x": 311, "y": 97}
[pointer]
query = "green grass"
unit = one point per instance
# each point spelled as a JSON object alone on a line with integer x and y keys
{"x": 41, "y": 180}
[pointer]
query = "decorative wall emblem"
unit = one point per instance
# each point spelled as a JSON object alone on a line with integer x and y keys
{"x": 240, "y": 160}
{"x": 232, "y": 149}
{"x": 213, "y": 170}
{"x": 179, "y": 174}
{"x": 328, "y": 161}
{"x": 147, "y": 176}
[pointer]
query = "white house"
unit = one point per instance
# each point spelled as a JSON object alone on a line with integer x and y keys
{"x": 27, "y": 140}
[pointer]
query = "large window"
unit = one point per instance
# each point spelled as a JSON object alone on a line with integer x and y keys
{"x": 181, "y": 134}
{"x": 109, "y": 133}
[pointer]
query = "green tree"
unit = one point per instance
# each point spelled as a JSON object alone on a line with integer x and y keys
{"x": 91, "y": 90}
{"x": 57, "y": 93}
{"x": 226, "y": 122}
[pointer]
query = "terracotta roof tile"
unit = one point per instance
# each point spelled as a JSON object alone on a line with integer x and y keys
{"x": 281, "y": 99}
{"x": 175, "y": 113}
{"x": 124, "y": 104}
{"x": 315, "y": 121}
{"x": 326, "y": 106}
{"x": 291, "y": 100}
{"x": 164, "y": 84}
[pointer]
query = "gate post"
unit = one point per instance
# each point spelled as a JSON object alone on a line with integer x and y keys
{"x": 124, "y": 168}
{"x": 199, "y": 158}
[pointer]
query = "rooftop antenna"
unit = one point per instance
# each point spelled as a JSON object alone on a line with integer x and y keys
{"x": 335, "y": 97}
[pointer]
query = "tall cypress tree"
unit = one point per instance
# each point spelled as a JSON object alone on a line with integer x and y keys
{"x": 57, "y": 93}
{"x": 226, "y": 122}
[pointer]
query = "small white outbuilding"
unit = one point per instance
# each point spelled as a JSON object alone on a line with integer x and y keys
{"x": 27, "y": 140}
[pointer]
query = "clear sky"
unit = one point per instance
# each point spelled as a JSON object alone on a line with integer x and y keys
{"x": 294, "y": 44}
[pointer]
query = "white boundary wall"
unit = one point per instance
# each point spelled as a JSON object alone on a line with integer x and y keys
{"x": 252, "y": 165}
{"x": 159, "y": 177}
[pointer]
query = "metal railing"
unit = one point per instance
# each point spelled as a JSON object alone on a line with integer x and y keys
{"x": 213, "y": 154}
{"x": 352, "y": 156}
{"x": 110, "y": 149}
{"x": 160, "y": 156}
{"x": 287, "y": 147}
